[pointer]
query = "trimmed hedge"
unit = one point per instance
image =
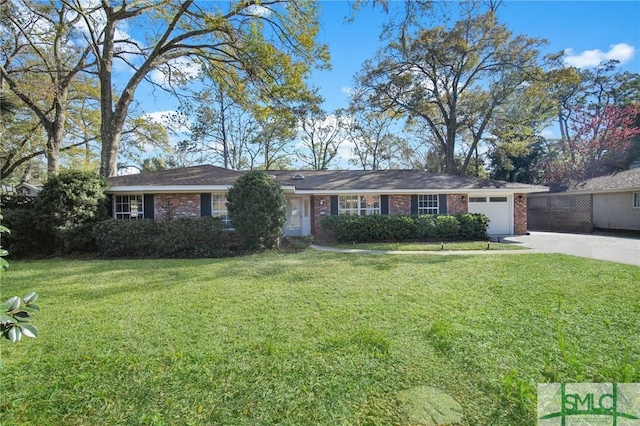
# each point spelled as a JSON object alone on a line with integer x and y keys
{"x": 28, "y": 237}
{"x": 180, "y": 238}
{"x": 462, "y": 226}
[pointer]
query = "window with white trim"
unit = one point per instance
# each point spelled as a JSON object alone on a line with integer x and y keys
{"x": 428, "y": 204}
{"x": 636, "y": 200}
{"x": 358, "y": 205}
{"x": 128, "y": 207}
{"x": 219, "y": 209}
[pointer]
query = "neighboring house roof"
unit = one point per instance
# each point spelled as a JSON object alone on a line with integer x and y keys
{"x": 628, "y": 180}
{"x": 311, "y": 181}
{"x": 28, "y": 189}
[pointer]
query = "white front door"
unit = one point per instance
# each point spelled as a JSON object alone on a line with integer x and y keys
{"x": 298, "y": 217}
{"x": 497, "y": 208}
{"x": 293, "y": 225}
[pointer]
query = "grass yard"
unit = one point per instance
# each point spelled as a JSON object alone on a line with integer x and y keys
{"x": 312, "y": 338}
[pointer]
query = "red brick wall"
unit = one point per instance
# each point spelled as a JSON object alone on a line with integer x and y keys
{"x": 320, "y": 208}
{"x": 173, "y": 206}
{"x": 519, "y": 214}
{"x": 457, "y": 203}
{"x": 399, "y": 204}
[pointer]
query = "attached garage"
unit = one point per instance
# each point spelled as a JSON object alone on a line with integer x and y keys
{"x": 498, "y": 208}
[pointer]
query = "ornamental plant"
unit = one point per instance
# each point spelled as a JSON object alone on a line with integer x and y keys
{"x": 15, "y": 320}
{"x": 258, "y": 209}
{"x": 15, "y": 317}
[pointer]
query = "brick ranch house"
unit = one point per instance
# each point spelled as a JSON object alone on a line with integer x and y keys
{"x": 199, "y": 191}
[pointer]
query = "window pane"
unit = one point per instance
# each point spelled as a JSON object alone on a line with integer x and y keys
{"x": 428, "y": 204}
{"x": 128, "y": 207}
{"x": 219, "y": 209}
{"x": 358, "y": 204}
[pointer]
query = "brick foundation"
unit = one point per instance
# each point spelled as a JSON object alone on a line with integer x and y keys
{"x": 174, "y": 206}
{"x": 519, "y": 214}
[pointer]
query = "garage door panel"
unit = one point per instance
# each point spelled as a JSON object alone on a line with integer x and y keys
{"x": 497, "y": 209}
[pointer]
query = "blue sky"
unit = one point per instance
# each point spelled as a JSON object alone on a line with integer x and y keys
{"x": 589, "y": 31}
{"x": 589, "y": 28}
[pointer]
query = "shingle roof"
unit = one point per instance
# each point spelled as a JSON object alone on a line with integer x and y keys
{"x": 197, "y": 175}
{"x": 620, "y": 181}
{"x": 323, "y": 180}
{"x": 327, "y": 180}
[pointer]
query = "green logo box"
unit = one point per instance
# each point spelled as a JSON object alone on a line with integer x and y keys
{"x": 593, "y": 404}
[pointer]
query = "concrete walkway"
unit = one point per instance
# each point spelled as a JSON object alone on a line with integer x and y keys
{"x": 602, "y": 247}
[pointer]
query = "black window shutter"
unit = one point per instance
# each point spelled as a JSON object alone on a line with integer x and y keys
{"x": 384, "y": 204}
{"x": 110, "y": 206}
{"x": 148, "y": 206}
{"x": 442, "y": 204}
{"x": 205, "y": 204}
{"x": 414, "y": 204}
{"x": 334, "y": 205}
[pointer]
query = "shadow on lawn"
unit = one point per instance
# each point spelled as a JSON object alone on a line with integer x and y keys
{"x": 385, "y": 262}
{"x": 107, "y": 278}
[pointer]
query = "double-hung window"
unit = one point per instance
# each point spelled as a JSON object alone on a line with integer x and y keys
{"x": 128, "y": 207}
{"x": 636, "y": 200}
{"x": 428, "y": 204}
{"x": 358, "y": 205}
{"x": 219, "y": 209}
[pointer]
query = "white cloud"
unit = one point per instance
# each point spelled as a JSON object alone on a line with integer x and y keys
{"x": 591, "y": 58}
{"x": 549, "y": 133}
{"x": 173, "y": 120}
{"x": 347, "y": 90}
{"x": 175, "y": 72}
{"x": 345, "y": 152}
{"x": 159, "y": 117}
{"x": 258, "y": 11}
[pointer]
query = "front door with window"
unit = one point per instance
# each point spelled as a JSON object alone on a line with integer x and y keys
{"x": 293, "y": 226}
{"x": 298, "y": 217}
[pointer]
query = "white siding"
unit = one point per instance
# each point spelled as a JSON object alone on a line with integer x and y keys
{"x": 615, "y": 211}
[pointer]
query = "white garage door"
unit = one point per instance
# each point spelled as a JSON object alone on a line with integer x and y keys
{"x": 497, "y": 208}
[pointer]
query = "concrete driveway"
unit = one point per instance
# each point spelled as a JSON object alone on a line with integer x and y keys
{"x": 603, "y": 247}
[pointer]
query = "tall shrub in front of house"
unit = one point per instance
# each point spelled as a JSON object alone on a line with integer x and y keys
{"x": 68, "y": 206}
{"x": 25, "y": 239}
{"x": 258, "y": 209}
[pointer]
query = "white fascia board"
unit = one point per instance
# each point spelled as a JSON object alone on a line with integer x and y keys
{"x": 601, "y": 191}
{"x": 420, "y": 191}
{"x": 169, "y": 188}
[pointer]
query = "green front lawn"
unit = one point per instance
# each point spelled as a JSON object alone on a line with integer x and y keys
{"x": 443, "y": 246}
{"x": 312, "y": 338}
